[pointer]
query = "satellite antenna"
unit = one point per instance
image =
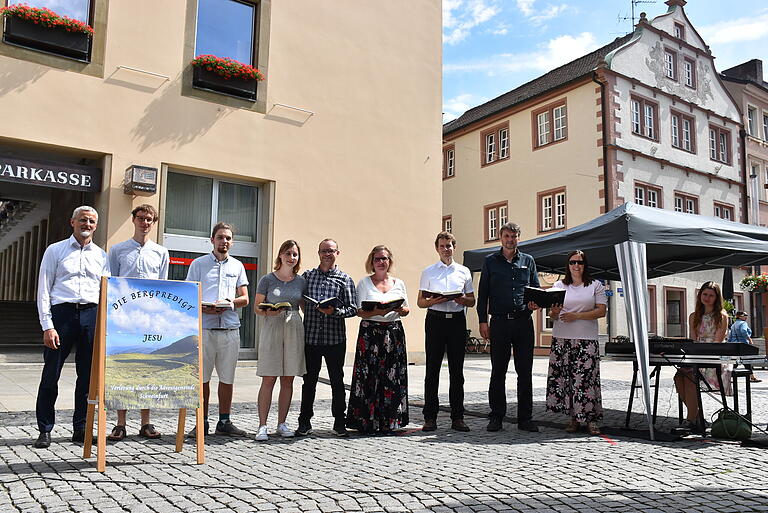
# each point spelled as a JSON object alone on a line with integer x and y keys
{"x": 632, "y": 17}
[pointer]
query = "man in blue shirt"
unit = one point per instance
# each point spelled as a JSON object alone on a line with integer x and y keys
{"x": 503, "y": 279}
{"x": 741, "y": 332}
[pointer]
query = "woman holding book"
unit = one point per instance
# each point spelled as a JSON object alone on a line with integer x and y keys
{"x": 281, "y": 337}
{"x": 573, "y": 383}
{"x": 707, "y": 323}
{"x": 378, "y": 398}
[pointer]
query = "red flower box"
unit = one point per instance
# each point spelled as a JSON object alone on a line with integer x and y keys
{"x": 42, "y": 29}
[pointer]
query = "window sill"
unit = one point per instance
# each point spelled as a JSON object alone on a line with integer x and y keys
{"x": 645, "y": 137}
{"x": 547, "y": 145}
{"x": 486, "y": 164}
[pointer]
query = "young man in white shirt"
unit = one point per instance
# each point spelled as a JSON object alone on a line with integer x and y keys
{"x": 67, "y": 302}
{"x": 138, "y": 257}
{"x": 223, "y": 281}
{"x": 446, "y": 330}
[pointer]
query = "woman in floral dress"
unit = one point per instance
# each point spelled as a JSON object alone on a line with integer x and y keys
{"x": 573, "y": 383}
{"x": 378, "y": 397}
{"x": 707, "y": 323}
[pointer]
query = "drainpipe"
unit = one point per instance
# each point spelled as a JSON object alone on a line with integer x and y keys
{"x": 606, "y": 183}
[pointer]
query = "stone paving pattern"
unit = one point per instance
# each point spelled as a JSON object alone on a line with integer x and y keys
{"x": 411, "y": 471}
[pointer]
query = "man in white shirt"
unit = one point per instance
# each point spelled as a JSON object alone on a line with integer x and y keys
{"x": 446, "y": 330}
{"x": 223, "y": 281}
{"x": 139, "y": 257}
{"x": 67, "y": 301}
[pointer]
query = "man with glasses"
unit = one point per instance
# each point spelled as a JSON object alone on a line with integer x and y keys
{"x": 503, "y": 279}
{"x": 325, "y": 335}
{"x": 67, "y": 301}
{"x": 445, "y": 330}
{"x": 138, "y": 257}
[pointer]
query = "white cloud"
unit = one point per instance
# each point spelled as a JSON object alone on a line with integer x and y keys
{"x": 458, "y": 105}
{"x": 552, "y": 54}
{"x": 539, "y": 16}
{"x": 461, "y": 16}
{"x": 736, "y": 31}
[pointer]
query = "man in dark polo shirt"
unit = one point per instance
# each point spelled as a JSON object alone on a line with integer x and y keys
{"x": 500, "y": 293}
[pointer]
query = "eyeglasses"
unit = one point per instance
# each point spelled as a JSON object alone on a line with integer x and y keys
{"x": 380, "y": 259}
{"x": 576, "y": 262}
{"x": 328, "y": 251}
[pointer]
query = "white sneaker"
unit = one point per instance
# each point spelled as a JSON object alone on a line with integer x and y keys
{"x": 284, "y": 431}
{"x": 262, "y": 435}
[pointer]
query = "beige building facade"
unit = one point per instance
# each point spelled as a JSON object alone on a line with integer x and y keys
{"x": 341, "y": 139}
{"x": 645, "y": 118}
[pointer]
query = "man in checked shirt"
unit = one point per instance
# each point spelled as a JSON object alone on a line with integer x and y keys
{"x": 325, "y": 335}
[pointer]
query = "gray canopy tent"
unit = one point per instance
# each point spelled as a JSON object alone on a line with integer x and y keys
{"x": 632, "y": 243}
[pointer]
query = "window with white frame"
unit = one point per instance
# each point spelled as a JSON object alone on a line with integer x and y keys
{"x": 644, "y": 117}
{"x": 719, "y": 144}
{"x": 724, "y": 211}
{"x": 689, "y": 73}
{"x": 683, "y": 131}
{"x": 495, "y": 142}
{"x": 448, "y": 224}
{"x": 647, "y": 195}
{"x": 679, "y": 31}
{"x": 552, "y": 210}
{"x": 752, "y": 121}
{"x": 551, "y": 124}
{"x": 765, "y": 127}
{"x": 670, "y": 64}
{"x": 449, "y": 161}
{"x": 686, "y": 203}
{"x": 495, "y": 218}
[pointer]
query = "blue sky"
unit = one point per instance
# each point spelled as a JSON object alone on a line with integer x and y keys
{"x": 127, "y": 324}
{"x": 493, "y": 46}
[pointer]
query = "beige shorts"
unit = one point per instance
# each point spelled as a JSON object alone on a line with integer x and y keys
{"x": 281, "y": 346}
{"x": 220, "y": 350}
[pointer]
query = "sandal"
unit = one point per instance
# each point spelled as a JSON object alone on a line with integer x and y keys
{"x": 117, "y": 434}
{"x": 149, "y": 431}
{"x": 572, "y": 426}
{"x": 754, "y": 379}
{"x": 593, "y": 428}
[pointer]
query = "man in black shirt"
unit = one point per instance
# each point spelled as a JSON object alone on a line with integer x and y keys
{"x": 500, "y": 293}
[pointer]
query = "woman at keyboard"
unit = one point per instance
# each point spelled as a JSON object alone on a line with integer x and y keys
{"x": 707, "y": 323}
{"x": 573, "y": 383}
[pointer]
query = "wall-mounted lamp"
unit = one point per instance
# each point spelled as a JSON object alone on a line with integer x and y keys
{"x": 140, "y": 181}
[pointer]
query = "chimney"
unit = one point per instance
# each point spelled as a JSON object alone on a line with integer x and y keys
{"x": 750, "y": 70}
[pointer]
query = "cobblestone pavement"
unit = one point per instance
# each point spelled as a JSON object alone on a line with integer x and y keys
{"x": 411, "y": 471}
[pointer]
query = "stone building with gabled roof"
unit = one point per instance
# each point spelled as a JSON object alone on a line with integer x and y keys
{"x": 645, "y": 118}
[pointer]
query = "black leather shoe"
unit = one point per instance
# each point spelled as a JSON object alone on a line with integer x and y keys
{"x": 494, "y": 424}
{"x": 43, "y": 441}
{"x": 459, "y": 425}
{"x": 429, "y": 425}
{"x": 528, "y": 425}
{"x": 78, "y": 436}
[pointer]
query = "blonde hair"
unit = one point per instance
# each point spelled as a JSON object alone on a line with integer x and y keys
{"x": 376, "y": 249}
{"x": 285, "y": 246}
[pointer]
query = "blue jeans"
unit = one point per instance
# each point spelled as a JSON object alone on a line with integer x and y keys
{"x": 76, "y": 328}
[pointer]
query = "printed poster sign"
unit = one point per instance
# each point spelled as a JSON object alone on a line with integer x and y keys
{"x": 152, "y": 337}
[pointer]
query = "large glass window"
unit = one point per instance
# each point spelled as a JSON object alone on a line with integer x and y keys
{"x": 238, "y": 205}
{"x": 226, "y": 28}
{"x": 77, "y": 9}
{"x": 188, "y": 205}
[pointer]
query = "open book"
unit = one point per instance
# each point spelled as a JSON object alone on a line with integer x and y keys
{"x": 545, "y": 298}
{"x": 285, "y": 305}
{"x": 392, "y": 304}
{"x": 453, "y": 294}
{"x": 221, "y": 303}
{"x": 323, "y": 303}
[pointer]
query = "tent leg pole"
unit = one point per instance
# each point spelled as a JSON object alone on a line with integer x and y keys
{"x": 631, "y": 393}
{"x": 657, "y": 372}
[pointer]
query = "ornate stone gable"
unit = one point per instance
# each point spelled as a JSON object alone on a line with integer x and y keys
{"x": 701, "y": 95}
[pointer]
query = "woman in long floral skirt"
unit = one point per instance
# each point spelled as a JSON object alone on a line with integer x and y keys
{"x": 573, "y": 384}
{"x": 378, "y": 398}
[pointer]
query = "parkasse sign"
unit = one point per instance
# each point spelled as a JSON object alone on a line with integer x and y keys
{"x": 50, "y": 174}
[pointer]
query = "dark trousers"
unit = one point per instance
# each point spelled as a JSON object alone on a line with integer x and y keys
{"x": 444, "y": 335}
{"x": 76, "y": 329}
{"x": 334, "y": 360}
{"x": 506, "y": 335}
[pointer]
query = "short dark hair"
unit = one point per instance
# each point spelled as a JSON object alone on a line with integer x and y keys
{"x": 222, "y": 226}
{"x": 445, "y": 236}
{"x": 512, "y": 227}
{"x": 149, "y": 209}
